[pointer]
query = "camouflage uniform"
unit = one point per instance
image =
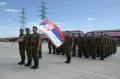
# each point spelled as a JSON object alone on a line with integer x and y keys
{"x": 80, "y": 46}
{"x": 68, "y": 44}
{"x": 49, "y": 46}
{"x": 74, "y": 39}
{"x": 40, "y": 48}
{"x": 54, "y": 49}
{"x": 35, "y": 38}
{"x": 102, "y": 47}
{"x": 22, "y": 50}
{"x": 114, "y": 46}
{"x": 28, "y": 48}
{"x": 60, "y": 50}
{"x": 93, "y": 47}
{"x": 85, "y": 46}
{"x": 98, "y": 46}
{"x": 108, "y": 43}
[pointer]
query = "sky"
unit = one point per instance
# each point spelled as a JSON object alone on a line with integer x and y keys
{"x": 84, "y": 15}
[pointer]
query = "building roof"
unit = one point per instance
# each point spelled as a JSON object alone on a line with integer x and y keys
{"x": 115, "y": 32}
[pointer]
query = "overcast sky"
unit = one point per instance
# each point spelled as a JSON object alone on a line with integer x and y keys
{"x": 84, "y": 15}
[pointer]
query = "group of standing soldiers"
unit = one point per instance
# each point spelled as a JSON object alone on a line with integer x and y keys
{"x": 86, "y": 45}
{"x": 89, "y": 46}
{"x": 30, "y": 46}
{"x": 96, "y": 46}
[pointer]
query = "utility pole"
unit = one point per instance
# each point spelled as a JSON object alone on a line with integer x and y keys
{"x": 43, "y": 10}
{"x": 23, "y": 19}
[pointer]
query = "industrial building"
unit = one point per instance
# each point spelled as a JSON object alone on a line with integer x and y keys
{"x": 114, "y": 33}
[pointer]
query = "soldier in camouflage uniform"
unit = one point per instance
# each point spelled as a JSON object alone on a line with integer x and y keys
{"x": 85, "y": 46}
{"x": 114, "y": 46}
{"x": 98, "y": 45}
{"x": 49, "y": 46}
{"x": 68, "y": 47}
{"x": 22, "y": 47}
{"x": 108, "y": 43}
{"x": 28, "y": 47}
{"x": 106, "y": 46}
{"x": 111, "y": 50}
{"x": 61, "y": 49}
{"x": 35, "y": 44}
{"x": 40, "y": 49}
{"x": 92, "y": 46}
{"x": 80, "y": 45}
{"x": 102, "y": 47}
{"x": 54, "y": 49}
{"x": 74, "y": 39}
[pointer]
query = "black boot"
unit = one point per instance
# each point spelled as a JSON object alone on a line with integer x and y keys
{"x": 73, "y": 55}
{"x": 68, "y": 61}
{"x": 63, "y": 54}
{"x": 28, "y": 64}
{"x": 53, "y": 53}
{"x": 21, "y": 63}
{"x": 35, "y": 66}
{"x": 57, "y": 53}
{"x": 102, "y": 59}
{"x": 49, "y": 53}
{"x": 93, "y": 57}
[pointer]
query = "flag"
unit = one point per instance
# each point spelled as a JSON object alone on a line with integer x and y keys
{"x": 52, "y": 31}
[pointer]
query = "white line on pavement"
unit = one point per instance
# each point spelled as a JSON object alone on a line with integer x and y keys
{"x": 68, "y": 68}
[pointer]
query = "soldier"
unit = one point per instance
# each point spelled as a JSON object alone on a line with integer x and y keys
{"x": 61, "y": 49}
{"x": 68, "y": 46}
{"x": 22, "y": 47}
{"x": 35, "y": 44}
{"x": 102, "y": 47}
{"x": 74, "y": 40}
{"x": 49, "y": 46}
{"x": 85, "y": 46}
{"x": 98, "y": 45}
{"x": 114, "y": 46}
{"x": 80, "y": 45}
{"x": 111, "y": 46}
{"x": 54, "y": 49}
{"x": 92, "y": 46}
{"x": 28, "y": 47}
{"x": 106, "y": 45}
{"x": 40, "y": 48}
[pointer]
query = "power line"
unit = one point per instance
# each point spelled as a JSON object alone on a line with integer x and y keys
{"x": 23, "y": 19}
{"x": 43, "y": 9}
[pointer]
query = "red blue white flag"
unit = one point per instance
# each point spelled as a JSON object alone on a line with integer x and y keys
{"x": 52, "y": 31}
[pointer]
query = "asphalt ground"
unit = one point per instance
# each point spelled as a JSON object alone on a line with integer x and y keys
{"x": 53, "y": 66}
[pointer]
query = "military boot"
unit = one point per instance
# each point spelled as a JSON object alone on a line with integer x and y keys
{"x": 21, "y": 63}
{"x": 28, "y": 64}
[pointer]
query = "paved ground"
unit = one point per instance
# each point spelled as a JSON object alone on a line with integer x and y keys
{"x": 53, "y": 66}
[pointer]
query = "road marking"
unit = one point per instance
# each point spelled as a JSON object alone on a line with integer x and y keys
{"x": 68, "y": 68}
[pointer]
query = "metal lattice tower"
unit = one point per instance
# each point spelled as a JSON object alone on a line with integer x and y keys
{"x": 43, "y": 11}
{"x": 23, "y": 19}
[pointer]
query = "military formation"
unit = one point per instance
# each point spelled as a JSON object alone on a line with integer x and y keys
{"x": 30, "y": 47}
{"x": 94, "y": 46}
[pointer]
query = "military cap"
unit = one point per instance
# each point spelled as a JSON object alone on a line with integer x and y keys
{"x": 35, "y": 27}
{"x": 27, "y": 29}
